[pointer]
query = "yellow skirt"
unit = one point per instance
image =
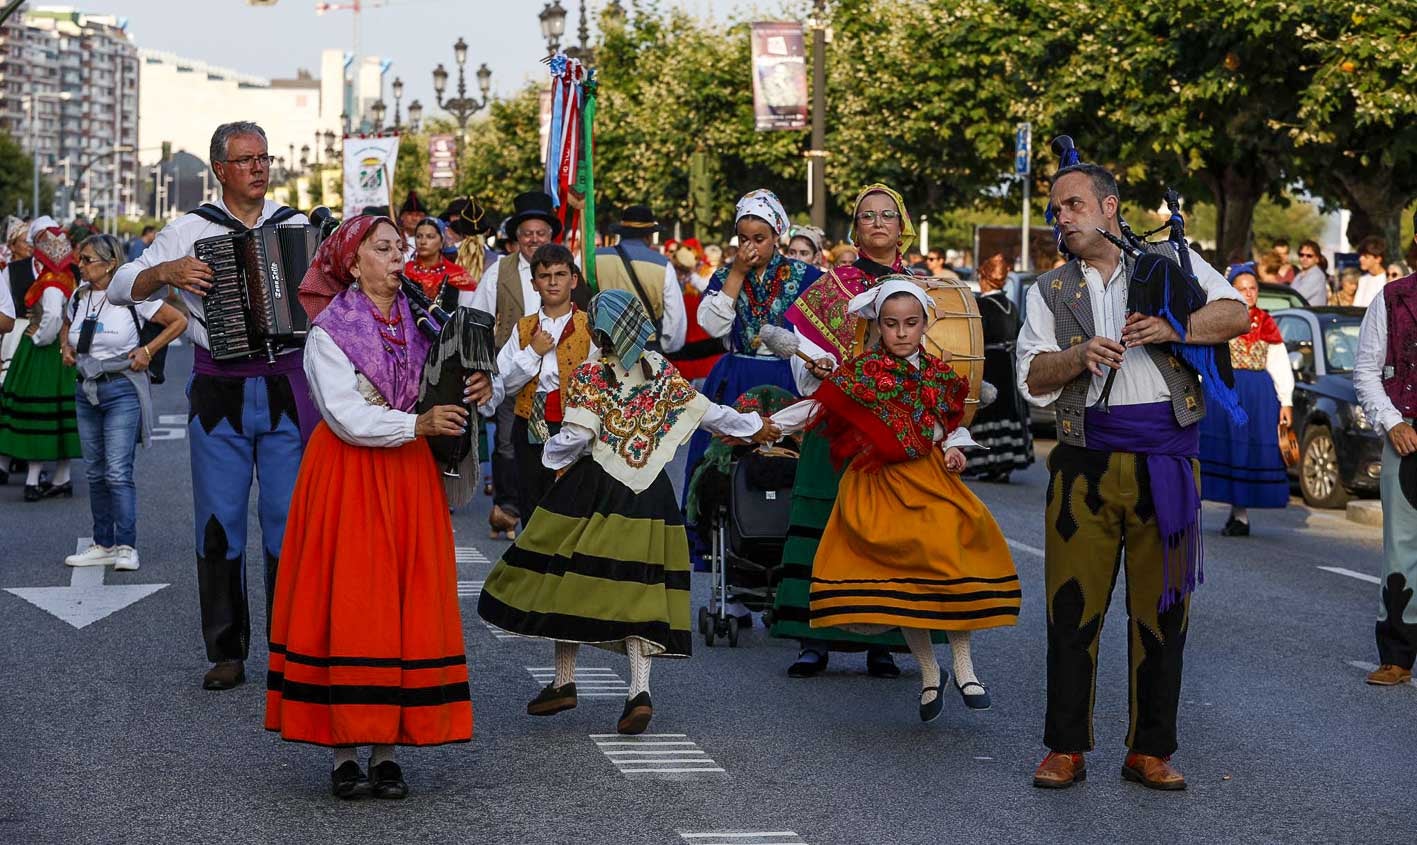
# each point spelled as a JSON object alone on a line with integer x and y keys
{"x": 910, "y": 546}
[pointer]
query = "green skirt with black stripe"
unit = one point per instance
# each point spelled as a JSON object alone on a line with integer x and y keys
{"x": 597, "y": 564}
{"x": 37, "y": 420}
{"x": 813, "y": 495}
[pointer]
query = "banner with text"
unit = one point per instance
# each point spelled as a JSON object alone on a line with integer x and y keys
{"x": 779, "y": 76}
{"x": 442, "y": 161}
{"x": 369, "y": 172}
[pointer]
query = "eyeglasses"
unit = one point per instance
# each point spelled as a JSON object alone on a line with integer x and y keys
{"x": 1393, "y": 275}
{"x": 1307, "y": 255}
{"x": 86, "y": 260}
{"x": 887, "y": 216}
{"x": 247, "y": 162}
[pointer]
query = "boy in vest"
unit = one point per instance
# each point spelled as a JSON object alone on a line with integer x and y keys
{"x": 1384, "y": 377}
{"x": 535, "y": 364}
{"x": 1123, "y": 474}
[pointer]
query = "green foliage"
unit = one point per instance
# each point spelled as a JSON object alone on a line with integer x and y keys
{"x": 503, "y": 155}
{"x": 16, "y": 179}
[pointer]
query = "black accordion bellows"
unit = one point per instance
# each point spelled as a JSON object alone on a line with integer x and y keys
{"x": 463, "y": 346}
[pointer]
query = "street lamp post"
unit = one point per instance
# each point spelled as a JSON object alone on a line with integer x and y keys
{"x": 415, "y": 116}
{"x": 817, "y": 156}
{"x": 462, "y": 106}
{"x": 553, "y": 25}
{"x": 78, "y": 175}
{"x": 398, "y": 97}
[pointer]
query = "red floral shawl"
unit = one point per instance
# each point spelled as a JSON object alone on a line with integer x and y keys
{"x": 879, "y": 409}
{"x": 431, "y": 278}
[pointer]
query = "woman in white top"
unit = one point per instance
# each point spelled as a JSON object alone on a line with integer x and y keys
{"x": 113, "y": 402}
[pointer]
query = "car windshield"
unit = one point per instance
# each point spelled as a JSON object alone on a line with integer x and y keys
{"x": 1341, "y": 345}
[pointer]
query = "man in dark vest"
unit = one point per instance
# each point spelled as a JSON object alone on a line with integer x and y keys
{"x": 506, "y": 293}
{"x": 248, "y": 420}
{"x": 634, "y": 265}
{"x": 1385, "y": 376}
{"x": 1122, "y": 475}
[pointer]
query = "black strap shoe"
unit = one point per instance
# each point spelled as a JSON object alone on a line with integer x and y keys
{"x": 931, "y": 711}
{"x": 975, "y": 696}
{"x": 386, "y": 781}
{"x": 348, "y": 782}
{"x": 552, "y": 699}
{"x": 810, "y": 663}
{"x": 1235, "y": 528}
{"x": 880, "y": 664}
{"x": 635, "y": 718}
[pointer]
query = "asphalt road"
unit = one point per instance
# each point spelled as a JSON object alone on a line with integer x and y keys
{"x": 108, "y": 737}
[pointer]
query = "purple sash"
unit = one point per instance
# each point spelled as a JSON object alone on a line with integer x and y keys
{"x": 1150, "y": 430}
{"x": 290, "y": 364}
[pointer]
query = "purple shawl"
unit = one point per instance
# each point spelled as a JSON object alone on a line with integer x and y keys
{"x": 349, "y": 320}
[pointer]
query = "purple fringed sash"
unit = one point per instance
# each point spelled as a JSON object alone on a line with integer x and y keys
{"x": 1151, "y": 430}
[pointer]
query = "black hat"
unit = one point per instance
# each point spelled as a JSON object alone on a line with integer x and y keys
{"x": 471, "y": 218}
{"x": 413, "y": 203}
{"x": 376, "y": 210}
{"x": 637, "y": 221}
{"x": 533, "y": 205}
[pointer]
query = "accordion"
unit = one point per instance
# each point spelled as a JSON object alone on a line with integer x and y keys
{"x": 251, "y": 309}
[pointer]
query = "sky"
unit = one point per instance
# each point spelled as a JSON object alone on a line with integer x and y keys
{"x": 274, "y": 41}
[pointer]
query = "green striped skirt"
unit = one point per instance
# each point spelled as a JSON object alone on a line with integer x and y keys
{"x": 37, "y": 421}
{"x": 597, "y": 564}
{"x": 813, "y": 496}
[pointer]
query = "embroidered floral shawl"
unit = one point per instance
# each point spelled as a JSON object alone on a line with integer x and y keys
{"x": 819, "y": 313}
{"x": 765, "y": 297}
{"x": 1250, "y": 351}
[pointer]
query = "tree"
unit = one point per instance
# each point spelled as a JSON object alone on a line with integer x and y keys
{"x": 503, "y": 154}
{"x": 16, "y": 175}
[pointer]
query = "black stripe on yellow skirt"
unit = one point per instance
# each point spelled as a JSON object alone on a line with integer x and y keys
{"x": 347, "y": 694}
{"x": 928, "y": 582}
{"x": 1009, "y": 610}
{"x": 595, "y": 566}
{"x": 570, "y": 628}
{"x": 977, "y": 595}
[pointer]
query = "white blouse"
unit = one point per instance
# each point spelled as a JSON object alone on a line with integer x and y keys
{"x": 334, "y": 383}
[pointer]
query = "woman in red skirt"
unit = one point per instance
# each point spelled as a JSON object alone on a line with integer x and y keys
{"x": 366, "y": 639}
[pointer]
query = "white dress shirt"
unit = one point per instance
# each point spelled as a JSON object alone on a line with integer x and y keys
{"x": 573, "y": 440}
{"x": 1368, "y": 369}
{"x": 7, "y": 302}
{"x": 1369, "y": 286}
{"x": 485, "y": 297}
{"x": 517, "y": 366}
{"x": 173, "y": 242}
{"x": 334, "y": 386}
{"x": 1139, "y": 382}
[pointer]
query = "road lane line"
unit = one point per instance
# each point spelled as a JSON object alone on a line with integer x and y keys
{"x": 1361, "y": 576}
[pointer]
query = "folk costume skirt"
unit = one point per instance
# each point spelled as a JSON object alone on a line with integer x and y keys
{"x": 597, "y": 563}
{"x": 38, "y": 421}
{"x": 910, "y": 546}
{"x": 366, "y": 639}
{"x": 1242, "y": 465}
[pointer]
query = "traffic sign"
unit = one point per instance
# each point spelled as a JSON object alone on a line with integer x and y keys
{"x": 1023, "y": 149}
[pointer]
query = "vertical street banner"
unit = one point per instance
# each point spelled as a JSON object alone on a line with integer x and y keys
{"x": 442, "y": 161}
{"x": 369, "y": 172}
{"x": 779, "y": 76}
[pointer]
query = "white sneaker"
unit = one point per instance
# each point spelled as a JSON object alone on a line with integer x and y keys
{"x": 125, "y": 558}
{"x": 94, "y": 555}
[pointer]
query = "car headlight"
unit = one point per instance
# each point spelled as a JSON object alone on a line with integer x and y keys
{"x": 1360, "y": 419}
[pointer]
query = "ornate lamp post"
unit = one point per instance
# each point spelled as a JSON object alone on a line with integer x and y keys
{"x": 553, "y": 25}
{"x": 378, "y": 110}
{"x": 398, "y": 97}
{"x": 461, "y": 107}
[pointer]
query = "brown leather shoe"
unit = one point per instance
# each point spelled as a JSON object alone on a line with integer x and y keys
{"x": 1060, "y": 771}
{"x": 502, "y": 523}
{"x": 1388, "y": 675}
{"x": 1152, "y": 772}
{"x": 227, "y": 674}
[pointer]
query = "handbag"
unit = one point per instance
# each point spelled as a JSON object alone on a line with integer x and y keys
{"x": 1288, "y": 445}
{"x": 147, "y": 333}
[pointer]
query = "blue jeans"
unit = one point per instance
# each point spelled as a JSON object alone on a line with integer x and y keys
{"x": 109, "y": 435}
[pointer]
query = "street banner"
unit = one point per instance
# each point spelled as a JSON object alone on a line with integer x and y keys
{"x": 369, "y": 172}
{"x": 779, "y": 76}
{"x": 442, "y": 161}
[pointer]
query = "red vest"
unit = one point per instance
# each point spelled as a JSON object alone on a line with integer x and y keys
{"x": 1400, "y": 368}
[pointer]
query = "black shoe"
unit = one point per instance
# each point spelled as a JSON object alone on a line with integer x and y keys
{"x": 33, "y": 493}
{"x": 4, "y": 477}
{"x": 348, "y": 782}
{"x": 635, "y": 718}
{"x": 386, "y": 781}
{"x": 1235, "y": 528}
{"x": 975, "y": 696}
{"x": 880, "y": 664}
{"x": 228, "y": 674}
{"x": 66, "y": 490}
{"x": 552, "y": 699}
{"x": 810, "y": 663}
{"x": 930, "y": 712}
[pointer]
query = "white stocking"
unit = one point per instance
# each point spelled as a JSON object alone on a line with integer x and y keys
{"x": 639, "y": 665}
{"x": 963, "y": 663}
{"x": 32, "y": 478}
{"x": 565, "y": 663}
{"x": 61, "y": 472}
{"x": 344, "y": 755}
{"x": 924, "y": 652}
{"x": 381, "y": 754}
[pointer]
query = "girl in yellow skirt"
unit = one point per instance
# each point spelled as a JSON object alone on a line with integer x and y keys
{"x": 908, "y": 545}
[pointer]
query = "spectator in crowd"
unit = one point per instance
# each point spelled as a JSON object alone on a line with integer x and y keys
{"x": 806, "y": 243}
{"x": 914, "y": 260}
{"x": 1311, "y": 282}
{"x": 141, "y": 242}
{"x": 1268, "y": 267}
{"x": 1285, "y": 275}
{"x": 713, "y": 254}
{"x": 1372, "y": 260}
{"x": 1348, "y": 281}
{"x": 845, "y": 254}
{"x": 936, "y": 264}
{"x": 1395, "y": 271}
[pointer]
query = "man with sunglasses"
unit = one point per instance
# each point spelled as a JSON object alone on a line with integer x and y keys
{"x": 247, "y": 417}
{"x": 1311, "y": 281}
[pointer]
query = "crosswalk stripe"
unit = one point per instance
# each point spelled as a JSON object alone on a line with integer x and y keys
{"x": 591, "y": 681}
{"x": 469, "y": 554}
{"x": 648, "y": 754}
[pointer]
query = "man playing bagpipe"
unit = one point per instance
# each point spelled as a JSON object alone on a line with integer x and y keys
{"x": 1119, "y": 340}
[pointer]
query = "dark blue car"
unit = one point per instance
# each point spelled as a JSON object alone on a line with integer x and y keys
{"x": 1340, "y": 453}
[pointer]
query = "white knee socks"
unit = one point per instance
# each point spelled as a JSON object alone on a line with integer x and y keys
{"x": 963, "y": 663}
{"x": 381, "y": 754}
{"x": 639, "y": 666}
{"x": 32, "y": 477}
{"x": 61, "y": 472}
{"x": 924, "y": 653}
{"x": 565, "y": 663}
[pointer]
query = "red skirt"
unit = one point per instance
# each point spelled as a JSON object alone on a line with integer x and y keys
{"x": 366, "y": 638}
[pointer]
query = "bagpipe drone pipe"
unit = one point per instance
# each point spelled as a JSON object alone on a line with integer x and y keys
{"x": 1160, "y": 285}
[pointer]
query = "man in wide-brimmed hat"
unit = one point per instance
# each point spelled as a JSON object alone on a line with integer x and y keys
{"x": 634, "y": 265}
{"x": 506, "y": 292}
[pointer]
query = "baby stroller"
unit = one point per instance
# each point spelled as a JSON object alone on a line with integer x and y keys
{"x": 740, "y": 499}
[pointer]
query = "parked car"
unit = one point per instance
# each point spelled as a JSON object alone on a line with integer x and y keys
{"x": 1274, "y": 297}
{"x": 1340, "y": 454}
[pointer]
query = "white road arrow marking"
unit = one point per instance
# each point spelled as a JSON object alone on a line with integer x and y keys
{"x": 1361, "y": 576}
{"x": 170, "y": 427}
{"x": 87, "y": 599}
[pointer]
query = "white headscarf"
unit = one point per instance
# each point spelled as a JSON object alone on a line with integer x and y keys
{"x": 764, "y": 205}
{"x": 868, "y": 305}
{"x": 40, "y": 224}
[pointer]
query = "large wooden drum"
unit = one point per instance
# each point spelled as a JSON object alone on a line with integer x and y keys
{"x": 957, "y": 334}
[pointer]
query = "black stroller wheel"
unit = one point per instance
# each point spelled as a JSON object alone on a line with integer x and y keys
{"x": 703, "y": 620}
{"x": 710, "y": 634}
{"x": 733, "y": 632}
